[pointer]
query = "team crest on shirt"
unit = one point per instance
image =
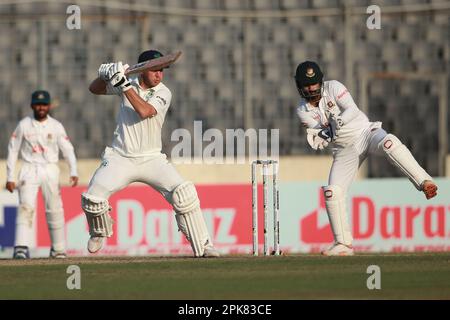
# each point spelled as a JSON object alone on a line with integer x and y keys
{"x": 49, "y": 136}
{"x": 149, "y": 94}
{"x": 330, "y": 104}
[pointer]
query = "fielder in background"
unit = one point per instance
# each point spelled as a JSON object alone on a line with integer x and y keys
{"x": 135, "y": 156}
{"x": 39, "y": 139}
{"x": 330, "y": 115}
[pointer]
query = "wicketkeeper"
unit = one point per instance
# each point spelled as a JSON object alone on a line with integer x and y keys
{"x": 330, "y": 115}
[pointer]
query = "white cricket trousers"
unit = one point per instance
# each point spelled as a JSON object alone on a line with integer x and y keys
{"x": 347, "y": 160}
{"x": 116, "y": 172}
{"x": 31, "y": 177}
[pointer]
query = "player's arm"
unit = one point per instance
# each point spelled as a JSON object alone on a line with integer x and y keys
{"x": 345, "y": 102}
{"x": 68, "y": 152}
{"x": 98, "y": 86}
{"x": 317, "y": 136}
{"x": 14, "y": 145}
{"x": 307, "y": 119}
{"x": 159, "y": 102}
{"x": 142, "y": 107}
{"x": 120, "y": 82}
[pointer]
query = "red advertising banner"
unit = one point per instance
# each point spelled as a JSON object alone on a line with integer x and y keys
{"x": 385, "y": 215}
{"x": 145, "y": 222}
{"x": 412, "y": 227}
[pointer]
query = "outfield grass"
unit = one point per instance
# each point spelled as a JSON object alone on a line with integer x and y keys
{"x": 403, "y": 276}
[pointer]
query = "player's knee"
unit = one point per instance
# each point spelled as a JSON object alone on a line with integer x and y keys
{"x": 185, "y": 201}
{"x": 55, "y": 220}
{"x": 93, "y": 205}
{"x": 333, "y": 192}
{"x": 25, "y": 214}
{"x": 390, "y": 143}
{"x": 54, "y": 206}
{"x": 55, "y": 213}
{"x": 185, "y": 198}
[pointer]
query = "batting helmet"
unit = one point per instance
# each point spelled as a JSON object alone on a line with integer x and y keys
{"x": 308, "y": 73}
{"x": 149, "y": 55}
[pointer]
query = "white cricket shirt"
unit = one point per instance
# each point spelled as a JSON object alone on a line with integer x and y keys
{"x": 39, "y": 143}
{"x": 137, "y": 137}
{"x": 337, "y": 100}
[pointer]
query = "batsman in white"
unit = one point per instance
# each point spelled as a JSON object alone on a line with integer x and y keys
{"x": 39, "y": 138}
{"x": 330, "y": 115}
{"x": 135, "y": 156}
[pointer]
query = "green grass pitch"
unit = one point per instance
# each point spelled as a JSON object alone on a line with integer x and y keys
{"x": 403, "y": 276}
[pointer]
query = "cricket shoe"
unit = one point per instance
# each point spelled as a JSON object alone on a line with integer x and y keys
{"x": 21, "y": 252}
{"x": 209, "y": 251}
{"x": 429, "y": 188}
{"x": 338, "y": 249}
{"x": 57, "y": 254}
{"x": 95, "y": 244}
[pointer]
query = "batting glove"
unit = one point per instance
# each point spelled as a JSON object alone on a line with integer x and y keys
{"x": 103, "y": 71}
{"x": 117, "y": 77}
{"x": 113, "y": 90}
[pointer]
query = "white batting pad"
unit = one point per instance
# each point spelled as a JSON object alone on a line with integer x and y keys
{"x": 185, "y": 198}
{"x": 99, "y": 220}
{"x": 399, "y": 155}
{"x": 337, "y": 214}
{"x": 194, "y": 228}
{"x": 190, "y": 218}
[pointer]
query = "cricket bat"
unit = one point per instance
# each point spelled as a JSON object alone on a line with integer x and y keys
{"x": 154, "y": 64}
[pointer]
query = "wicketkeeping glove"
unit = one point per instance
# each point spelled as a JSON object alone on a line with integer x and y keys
{"x": 319, "y": 138}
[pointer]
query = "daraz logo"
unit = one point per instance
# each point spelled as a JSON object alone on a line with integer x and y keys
{"x": 314, "y": 228}
{"x": 369, "y": 219}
